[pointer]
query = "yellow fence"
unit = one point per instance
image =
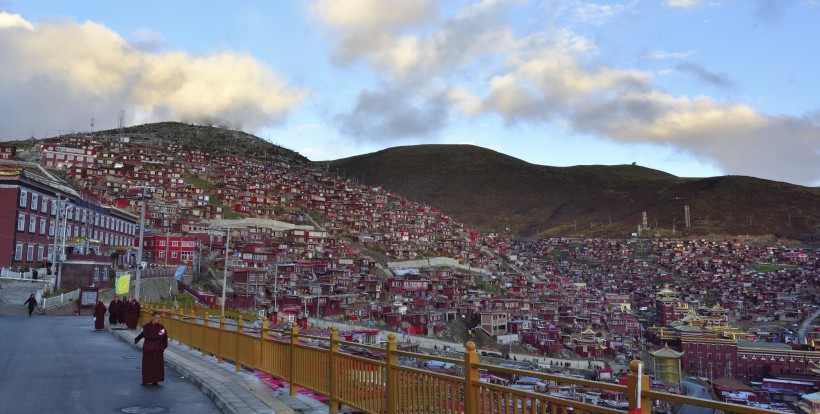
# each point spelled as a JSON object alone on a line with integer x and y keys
{"x": 385, "y": 386}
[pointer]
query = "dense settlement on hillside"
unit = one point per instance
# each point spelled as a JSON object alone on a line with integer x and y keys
{"x": 599, "y": 299}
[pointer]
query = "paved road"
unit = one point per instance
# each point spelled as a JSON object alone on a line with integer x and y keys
{"x": 13, "y": 294}
{"x": 60, "y": 364}
{"x": 697, "y": 390}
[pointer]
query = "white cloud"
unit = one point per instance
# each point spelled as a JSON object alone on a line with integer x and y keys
{"x": 65, "y": 71}
{"x": 9, "y": 21}
{"x": 551, "y": 74}
{"x": 599, "y": 14}
{"x": 662, "y": 54}
{"x": 684, "y": 4}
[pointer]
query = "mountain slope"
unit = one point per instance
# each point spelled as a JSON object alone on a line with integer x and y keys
{"x": 491, "y": 191}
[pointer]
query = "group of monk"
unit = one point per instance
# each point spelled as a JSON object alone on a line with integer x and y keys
{"x": 119, "y": 311}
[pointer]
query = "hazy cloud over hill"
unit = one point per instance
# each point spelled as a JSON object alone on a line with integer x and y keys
{"x": 59, "y": 71}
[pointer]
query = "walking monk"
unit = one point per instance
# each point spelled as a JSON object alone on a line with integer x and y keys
{"x": 99, "y": 315}
{"x": 156, "y": 340}
{"x": 132, "y": 313}
{"x": 114, "y": 311}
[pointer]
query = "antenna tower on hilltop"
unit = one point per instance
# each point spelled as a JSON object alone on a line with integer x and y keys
{"x": 121, "y": 120}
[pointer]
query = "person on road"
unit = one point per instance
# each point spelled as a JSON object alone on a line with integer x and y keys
{"x": 99, "y": 315}
{"x": 114, "y": 311}
{"x": 123, "y": 309}
{"x": 156, "y": 340}
{"x": 31, "y": 302}
{"x": 132, "y": 313}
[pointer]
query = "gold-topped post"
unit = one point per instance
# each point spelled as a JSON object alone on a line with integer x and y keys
{"x": 334, "y": 380}
{"x": 391, "y": 361}
{"x": 471, "y": 376}
{"x": 294, "y": 333}
{"x": 637, "y": 384}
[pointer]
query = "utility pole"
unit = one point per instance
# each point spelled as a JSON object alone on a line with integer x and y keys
{"x": 225, "y": 269}
{"x": 167, "y": 242}
{"x": 276, "y": 286}
{"x": 54, "y": 259}
{"x": 141, "y": 235}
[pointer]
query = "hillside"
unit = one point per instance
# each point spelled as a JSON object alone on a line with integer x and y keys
{"x": 490, "y": 191}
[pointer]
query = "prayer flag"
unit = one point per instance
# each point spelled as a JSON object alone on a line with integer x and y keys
{"x": 123, "y": 284}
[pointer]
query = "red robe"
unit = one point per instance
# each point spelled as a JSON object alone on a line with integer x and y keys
{"x": 153, "y": 364}
{"x": 132, "y": 314}
{"x": 99, "y": 316}
{"x": 113, "y": 312}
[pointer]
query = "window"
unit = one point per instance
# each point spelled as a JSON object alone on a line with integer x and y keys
{"x": 42, "y": 225}
{"x": 21, "y": 222}
{"x": 82, "y": 231}
{"x": 185, "y": 256}
{"x": 162, "y": 243}
{"x": 30, "y": 253}
{"x": 23, "y": 198}
{"x": 32, "y": 224}
{"x": 53, "y": 207}
{"x": 18, "y": 252}
{"x": 85, "y": 216}
{"x": 96, "y": 219}
{"x": 161, "y": 254}
{"x": 174, "y": 243}
{"x": 40, "y": 252}
{"x": 44, "y": 205}
{"x": 174, "y": 255}
{"x": 96, "y": 273}
{"x": 50, "y": 254}
{"x": 35, "y": 198}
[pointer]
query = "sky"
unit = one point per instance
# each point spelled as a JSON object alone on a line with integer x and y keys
{"x": 695, "y": 88}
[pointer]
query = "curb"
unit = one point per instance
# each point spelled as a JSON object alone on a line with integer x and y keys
{"x": 218, "y": 399}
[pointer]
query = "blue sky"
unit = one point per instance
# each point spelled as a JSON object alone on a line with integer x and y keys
{"x": 691, "y": 87}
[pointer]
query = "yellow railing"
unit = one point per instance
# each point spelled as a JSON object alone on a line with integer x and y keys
{"x": 388, "y": 387}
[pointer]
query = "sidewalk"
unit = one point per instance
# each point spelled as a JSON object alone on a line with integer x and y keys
{"x": 233, "y": 392}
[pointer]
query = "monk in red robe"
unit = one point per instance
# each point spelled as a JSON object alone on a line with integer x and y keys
{"x": 132, "y": 313}
{"x": 156, "y": 340}
{"x": 114, "y": 311}
{"x": 99, "y": 315}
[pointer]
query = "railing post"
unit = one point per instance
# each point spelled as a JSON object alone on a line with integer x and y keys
{"x": 219, "y": 339}
{"x": 257, "y": 359}
{"x": 471, "y": 376}
{"x": 633, "y": 383}
{"x": 239, "y": 327}
{"x": 178, "y": 316}
{"x": 202, "y": 332}
{"x": 391, "y": 361}
{"x": 294, "y": 332}
{"x": 334, "y": 380}
{"x": 191, "y": 323}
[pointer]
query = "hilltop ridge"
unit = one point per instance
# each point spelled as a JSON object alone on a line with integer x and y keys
{"x": 493, "y": 191}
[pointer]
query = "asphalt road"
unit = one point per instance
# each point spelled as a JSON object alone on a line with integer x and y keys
{"x": 60, "y": 364}
{"x": 697, "y": 390}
